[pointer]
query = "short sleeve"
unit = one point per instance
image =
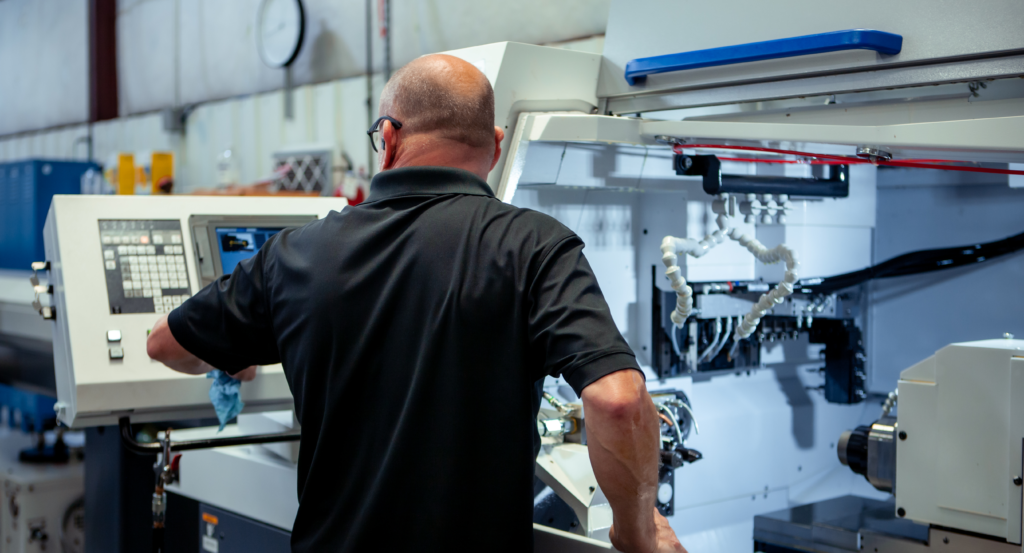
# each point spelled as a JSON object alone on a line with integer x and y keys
{"x": 227, "y": 324}
{"x": 570, "y": 326}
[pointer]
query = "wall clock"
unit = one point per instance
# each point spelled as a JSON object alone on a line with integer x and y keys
{"x": 280, "y": 26}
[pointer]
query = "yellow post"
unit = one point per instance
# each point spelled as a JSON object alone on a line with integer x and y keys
{"x": 161, "y": 169}
{"x": 125, "y": 173}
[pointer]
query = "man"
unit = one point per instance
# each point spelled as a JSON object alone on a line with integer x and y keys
{"x": 412, "y": 329}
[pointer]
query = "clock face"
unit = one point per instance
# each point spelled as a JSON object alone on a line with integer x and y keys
{"x": 280, "y": 25}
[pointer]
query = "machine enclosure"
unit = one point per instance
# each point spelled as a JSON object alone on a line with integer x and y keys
{"x": 961, "y": 433}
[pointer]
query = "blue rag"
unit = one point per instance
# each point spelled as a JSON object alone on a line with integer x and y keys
{"x": 224, "y": 393}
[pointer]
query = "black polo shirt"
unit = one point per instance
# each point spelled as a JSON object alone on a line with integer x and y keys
{"x": 412, "y": 329}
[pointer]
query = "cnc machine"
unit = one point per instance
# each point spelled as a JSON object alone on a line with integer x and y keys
{"x": 727, "y": 183}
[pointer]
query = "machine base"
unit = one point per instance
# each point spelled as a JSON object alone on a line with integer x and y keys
{"x": 851, "y": 523}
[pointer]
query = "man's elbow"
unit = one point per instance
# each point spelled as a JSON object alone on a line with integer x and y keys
{"x": 622, "y": 408}
{"x": 619, "y": 397}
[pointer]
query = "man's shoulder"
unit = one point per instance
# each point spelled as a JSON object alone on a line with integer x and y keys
{"x": 526, "y": 217}
{"x": 530, "y": 233}
{"x": 530, "y": 222}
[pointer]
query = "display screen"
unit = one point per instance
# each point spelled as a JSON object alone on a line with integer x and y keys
{"x": 237, "y": 244}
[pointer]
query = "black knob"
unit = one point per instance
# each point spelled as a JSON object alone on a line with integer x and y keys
{"x": 857, "y": 450}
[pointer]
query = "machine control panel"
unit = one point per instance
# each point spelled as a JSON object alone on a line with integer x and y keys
{"x": 120, "y": 263}
{"x": 145, "y": 265}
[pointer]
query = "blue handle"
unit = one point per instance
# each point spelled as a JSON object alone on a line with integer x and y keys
{"x": 853, "y": 39}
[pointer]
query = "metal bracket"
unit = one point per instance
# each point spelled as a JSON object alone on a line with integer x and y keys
{"x": 835, "y": 185}
{"x": 873, "y": 153}
{"x": 156, "y": 448}
{"x": 48, "y": 312}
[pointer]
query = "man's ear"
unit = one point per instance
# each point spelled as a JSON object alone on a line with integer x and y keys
{"x": 499, "y": 135}
{"x": 390, "y": 145}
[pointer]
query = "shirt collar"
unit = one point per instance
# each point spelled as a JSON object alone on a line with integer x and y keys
{"x": 425, "y": 181}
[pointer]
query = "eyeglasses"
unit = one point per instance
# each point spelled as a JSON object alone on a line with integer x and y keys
{"x": 374, "y": 132}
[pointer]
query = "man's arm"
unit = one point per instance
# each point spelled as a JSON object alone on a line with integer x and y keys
{"x": 623, "y": 439}
{"x": 163, "y": 347}
{"x": 573, "y": 332}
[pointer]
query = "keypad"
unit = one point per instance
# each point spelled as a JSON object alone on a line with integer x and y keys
{"x": 145, "y": 266}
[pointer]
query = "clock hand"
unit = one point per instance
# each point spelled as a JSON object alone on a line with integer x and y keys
{"x": 275, "y": 30}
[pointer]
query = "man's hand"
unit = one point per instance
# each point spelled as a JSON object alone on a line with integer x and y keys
{"x": 245, "y": 375}
{"x": 665, "y": 538}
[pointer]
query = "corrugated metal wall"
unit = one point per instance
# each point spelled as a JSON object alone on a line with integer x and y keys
{"x": 184, "y": 52}
{"x": 44, "y": 64}
{"x": 207, "y": 50}
{"x": 331, "y": 114}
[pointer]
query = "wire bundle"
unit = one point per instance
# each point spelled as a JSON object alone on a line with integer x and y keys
{"x": 912, "y": 263}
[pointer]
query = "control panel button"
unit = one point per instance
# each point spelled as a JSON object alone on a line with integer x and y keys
{"x": 113, "y": 335}
{"x": 116, "y": 352}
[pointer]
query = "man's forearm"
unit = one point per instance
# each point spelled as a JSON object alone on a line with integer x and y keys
{"x": 622, "y": 437}
{"x": 161, "y": 346}
{"x": 188, "y": 365}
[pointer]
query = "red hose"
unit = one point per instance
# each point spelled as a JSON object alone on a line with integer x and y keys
{"x": 828, "y": 159}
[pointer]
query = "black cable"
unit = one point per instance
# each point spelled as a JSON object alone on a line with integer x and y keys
{"x": 915, "y": 263}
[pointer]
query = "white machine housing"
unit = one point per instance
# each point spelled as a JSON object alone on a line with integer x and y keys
{"x": 915, "y": 105}
{"x": 559, "y": 141}
{"x": 93, "y": 387}
{"x": 530, "y": 78}
{"x": 961, "y": 429}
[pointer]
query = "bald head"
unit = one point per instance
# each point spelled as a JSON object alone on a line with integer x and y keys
{"x": 444, "y": 97}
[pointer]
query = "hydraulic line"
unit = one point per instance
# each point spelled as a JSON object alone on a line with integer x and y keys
{"x": 557, "y": 404}
{"x": 821, "y": 161}
{"x": 714, "y": 341}
{"x": 913, "y": 164}
{"x": 915, "y": 263}
{"x": 675, "y": 342}
{"x": 675, "y": 422}
{"x": 682, "y": 404}
{"x": 725, "y": 338}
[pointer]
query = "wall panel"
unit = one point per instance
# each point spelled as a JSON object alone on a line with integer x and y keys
{"x": 212, "y": 45}
{"x": 44, "y": 64}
